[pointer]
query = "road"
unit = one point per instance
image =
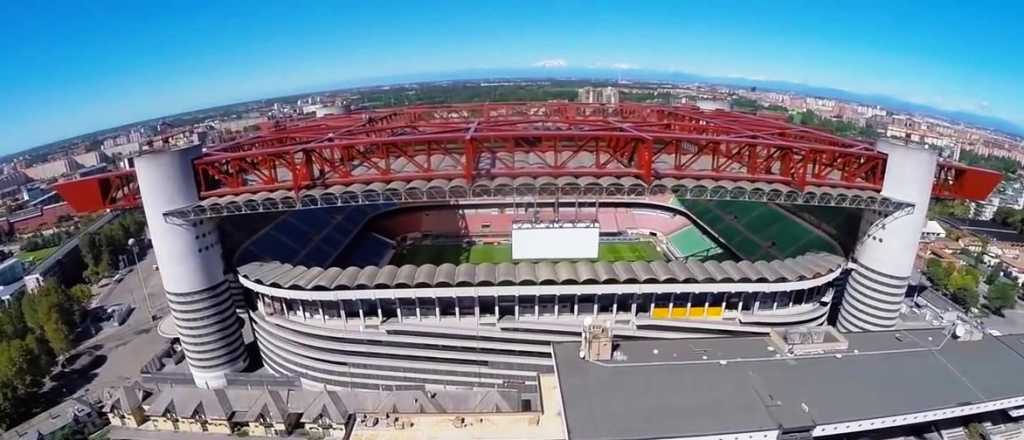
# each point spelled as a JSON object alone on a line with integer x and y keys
{"x": 1012, "y": 321}
{"x": 125, "y": 349}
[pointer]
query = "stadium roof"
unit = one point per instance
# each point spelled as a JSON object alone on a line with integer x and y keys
{"x": 545, "y": 186}
{"x": 277, "y": 274}
{"x": 693, "y": 387}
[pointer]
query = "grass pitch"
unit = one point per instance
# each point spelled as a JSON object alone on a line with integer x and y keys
{"x": 502, "y": 253}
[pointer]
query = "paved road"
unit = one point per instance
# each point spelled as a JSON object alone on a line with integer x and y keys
{"x": 123, "y": 350}
{"x": 1011, "y": 322}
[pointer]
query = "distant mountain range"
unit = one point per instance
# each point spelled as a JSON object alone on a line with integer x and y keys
{"x": 605, "y": 74}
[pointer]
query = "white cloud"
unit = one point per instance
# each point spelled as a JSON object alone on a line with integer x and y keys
{"x": 553, "y": 63}
{"x": 624, "y": 66}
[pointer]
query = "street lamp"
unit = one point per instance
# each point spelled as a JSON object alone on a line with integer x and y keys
{"x": 142, "y": 281}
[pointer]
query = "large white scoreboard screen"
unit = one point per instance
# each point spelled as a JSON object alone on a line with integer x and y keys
{"x": 555, "y": 240}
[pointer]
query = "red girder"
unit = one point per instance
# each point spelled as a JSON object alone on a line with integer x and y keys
{"x": 473, "y": 141}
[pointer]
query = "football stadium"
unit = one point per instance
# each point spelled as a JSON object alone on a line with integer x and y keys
{"x": 451, "y": 246}
{"x": 439, "y": 284}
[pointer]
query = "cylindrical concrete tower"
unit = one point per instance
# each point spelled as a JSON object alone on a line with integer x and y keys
{"x": 884, "y": 258}
{"x": 191, "y": 268}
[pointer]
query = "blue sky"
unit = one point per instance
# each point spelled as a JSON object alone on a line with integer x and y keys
{"x": 67, "y": 68}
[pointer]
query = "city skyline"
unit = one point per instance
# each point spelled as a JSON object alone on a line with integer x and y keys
{"x": 109, "y": 66}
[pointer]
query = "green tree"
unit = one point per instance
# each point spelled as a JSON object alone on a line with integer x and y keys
{"x": 995, "y": 273}
{"x": 12, "y": 322}
{"x": 949, "y": 208}
{"x": 103, "y": 248}
{"x": 963, "y": 284}
{"x": 938, "y": 272}
{"x": 14, "y": 405}
{"x": 23, "y": 365}
{"x": 54, "y": 313}
{"x": 1003, "y": 164}
{"x": 81, "y": 293}
{"x": 58, "y": 335}
{"x": 746, "y": 104}
{"x": 17, "y": 359}
{"x": 1002, "y": 295}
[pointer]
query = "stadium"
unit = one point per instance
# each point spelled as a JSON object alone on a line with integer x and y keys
{"x": 450, "y": 246}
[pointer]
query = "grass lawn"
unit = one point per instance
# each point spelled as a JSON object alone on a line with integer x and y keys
{"x": 37, "y": 255}
{"x": 487, "y": 253}
{"x": 628, "y": 251}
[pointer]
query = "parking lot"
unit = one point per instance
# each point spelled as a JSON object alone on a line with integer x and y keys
{"x": 120, "y": 351}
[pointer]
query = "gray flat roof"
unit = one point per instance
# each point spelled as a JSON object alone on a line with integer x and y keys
{"x": 667, "y": 388}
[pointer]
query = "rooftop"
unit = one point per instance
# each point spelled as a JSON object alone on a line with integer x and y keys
{"x": 992, "y": 230}
{"x": 50, "y": 421}
{"x": 677, "y": 388}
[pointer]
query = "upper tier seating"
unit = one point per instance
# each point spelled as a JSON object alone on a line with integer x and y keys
{"x": 760, "y": 231}
{"x": 310, "y": 237}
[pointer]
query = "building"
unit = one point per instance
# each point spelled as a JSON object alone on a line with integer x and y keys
{"x": 13, "y": 179}
{"x": 398, "y": 318}
{"x": 985, "y": 210}
{"x": 39, "y": 218}
{"x": 341, "y": 297}
{"x": 240, "y": 125}
{"x": 602, "y": 95}
{"x": 191, "y": 268}
{"x": 127, "y": 149}
{"x": 123, "y": 405}
{"x": 932, "y": 231}
{"x": 885, "y": 255}
{"x": 777, "y": 387}
{"x": 74, "y": 418}
{"x": 52, "y": 169}
{"x": 90, "y": 159}
{"x": 280, "y": 412}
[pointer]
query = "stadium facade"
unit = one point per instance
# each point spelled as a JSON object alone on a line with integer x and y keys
{"x": 331, "y": 302}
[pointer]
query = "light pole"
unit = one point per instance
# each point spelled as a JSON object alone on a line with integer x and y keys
{"x": 142, "y": 281}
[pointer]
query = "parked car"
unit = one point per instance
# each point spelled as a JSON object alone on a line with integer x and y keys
{"x": 122, "y": 314}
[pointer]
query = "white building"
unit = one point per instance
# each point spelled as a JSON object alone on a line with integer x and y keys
{"x": 985, "y": 210}
{"x": 52, "y": 169}
{"x": 604, "y": 95}
{"x": 932, "y": 231}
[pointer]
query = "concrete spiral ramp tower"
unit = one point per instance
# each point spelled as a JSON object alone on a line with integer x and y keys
{"x": 191, "y": 268}
{"x": 884, "y": 258}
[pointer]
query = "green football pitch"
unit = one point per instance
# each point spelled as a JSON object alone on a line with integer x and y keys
{"x": 502, "y": 253}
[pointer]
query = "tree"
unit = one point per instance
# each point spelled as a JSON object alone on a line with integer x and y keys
{"x": 1002, "y": 295}
{"x": 744, "y": 103}
{"x": 59, "y": 336}
{"x": 963, "y": 284}
{"x": 12, "y": 322}
{"x": 81, "y": 293}
{"x": 1003, "y": 164}
{"x": 995, "y": 273}
{"x": 938, "y": 272}
{"x": 949, "y": 208}
{"x": 101, "y": 249}
{"x": 54, "y": 313}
